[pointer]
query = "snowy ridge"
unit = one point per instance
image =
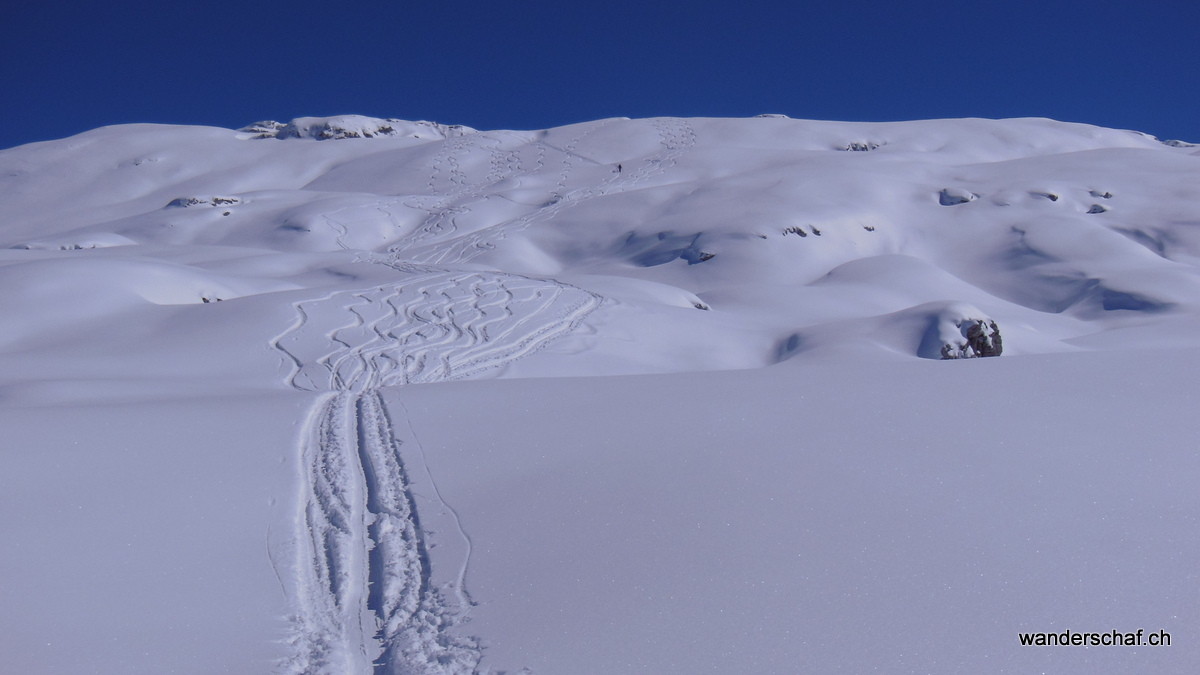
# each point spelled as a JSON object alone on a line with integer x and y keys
{"x": 352, "y": 126}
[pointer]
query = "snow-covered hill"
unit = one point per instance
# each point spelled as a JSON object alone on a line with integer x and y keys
{"x": 239, "y": 379}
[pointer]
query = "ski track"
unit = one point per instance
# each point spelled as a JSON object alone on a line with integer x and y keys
{"x": 436, "y": 243}
{"x": 449, "y": 198}
{"x": 362, "y": 583}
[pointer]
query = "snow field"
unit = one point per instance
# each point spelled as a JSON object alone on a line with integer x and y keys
{"x": 336, "y": 396}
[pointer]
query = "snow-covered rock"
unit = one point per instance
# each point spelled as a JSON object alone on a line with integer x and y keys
{"x": 353, "y": 126}
{"x": 862, "y": 146}
{"x": 79, "y": 243}
{"x": 975, "y": 338}
{"x": 207, "y": 202}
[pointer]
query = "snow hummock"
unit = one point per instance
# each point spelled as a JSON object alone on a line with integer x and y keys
{"x": 630, "y": 395}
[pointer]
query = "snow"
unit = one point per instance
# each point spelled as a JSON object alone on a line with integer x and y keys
{"x": 896, "y": 517}
{"x": 660, "y": 395}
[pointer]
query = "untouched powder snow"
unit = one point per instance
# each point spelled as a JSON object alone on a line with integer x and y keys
{"x": 335, "y": 396}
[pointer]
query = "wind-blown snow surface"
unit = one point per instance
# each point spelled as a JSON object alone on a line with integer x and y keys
{"x": 325, "y": 397}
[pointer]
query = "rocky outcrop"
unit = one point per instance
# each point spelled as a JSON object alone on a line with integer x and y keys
{"x": 980, "y": 337}
{"x": 205, "y": 202}
{"x": 353, "y": 126}
{"x": 860, "y": 146}
{"x": 264, "y": 129}
{"x": 954, "y": 330}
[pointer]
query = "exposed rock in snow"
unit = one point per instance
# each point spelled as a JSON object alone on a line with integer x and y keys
{"x": 354, "y": 126}
{"x": 264, "y": 129}
{"x": 969, "y": 337}
{"x": 82, "y": 242}
{"x": 205, "y": 202}
{"x": 861, "y": 146}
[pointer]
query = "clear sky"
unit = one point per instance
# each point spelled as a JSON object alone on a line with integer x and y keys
{"x": 69, "y": 66}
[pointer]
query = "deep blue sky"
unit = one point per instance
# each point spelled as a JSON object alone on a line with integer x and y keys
{"x": 69, "y": 66}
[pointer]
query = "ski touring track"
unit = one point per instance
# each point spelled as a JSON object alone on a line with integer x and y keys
{"x": 450, "y": 189}
{"x": 362, "y": 584}
{"x": 435, "y": 243}
{"x": 364, "y": 594}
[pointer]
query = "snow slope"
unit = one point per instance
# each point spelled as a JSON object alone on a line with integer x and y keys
{"x": 277, "y": 399}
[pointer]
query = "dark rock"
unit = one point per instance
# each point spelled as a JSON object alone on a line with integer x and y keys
{"x": 981, "y": 337}
{"x": 353, "y": 126}
{"x": 206, "y": 202}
